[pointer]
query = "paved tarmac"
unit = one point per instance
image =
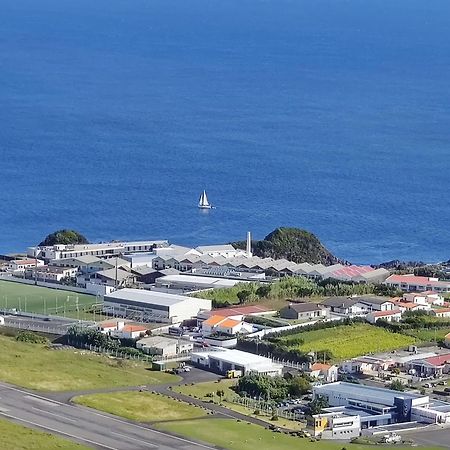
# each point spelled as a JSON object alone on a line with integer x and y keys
{"x": 88, "y": 427}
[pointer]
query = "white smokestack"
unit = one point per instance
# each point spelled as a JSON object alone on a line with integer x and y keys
{"x": 249, "y": 245}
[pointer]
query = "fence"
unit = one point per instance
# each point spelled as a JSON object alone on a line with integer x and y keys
{"x": 111, "y": 352}
{"x": 31, "y": 326}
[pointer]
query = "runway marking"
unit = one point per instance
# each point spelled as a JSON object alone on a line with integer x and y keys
{"x": 29, "y": 422}
{"x": 42, "y": 400}
{"x": 53, "y": 414}
{"x": 134, "y": 439}
{"x": 150, "y": 430}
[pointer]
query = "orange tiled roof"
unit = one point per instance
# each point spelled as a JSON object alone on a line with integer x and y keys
{"x": 230, "y": 323}
{"x": 132, "y": 328}
{"x": 214, "y": 320}
{"x": 320, "y": 366}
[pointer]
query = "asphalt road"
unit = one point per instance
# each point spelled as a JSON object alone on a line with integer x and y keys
{"x": 91, "y": 428}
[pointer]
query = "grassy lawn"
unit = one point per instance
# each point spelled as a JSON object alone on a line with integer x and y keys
{"x": 36, "y": 367}
{"x": 17, "y": 437}
{"x": 43, "y": 300}
{"x": 233, "y": 435}
{"x": 200, "y": 390}
{"x": 349, "y": 341}
{"x": 141, "y": 406}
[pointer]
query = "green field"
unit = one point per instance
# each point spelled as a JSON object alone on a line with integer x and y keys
{"x": 233, "y": 435}
{"x": 201, "y": 390}
{"x": 16, "y": 437}
{"x": 349, "y": 341}
{"x": 35, "y": 366}
{"x": 141, "y": 406}
{"x": 43, "y": 300}
{"x": 427, "y": 334}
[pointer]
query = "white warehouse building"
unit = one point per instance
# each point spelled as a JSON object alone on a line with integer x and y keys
{"x": 222, "y": 360}
{"x": 153, "y": 306}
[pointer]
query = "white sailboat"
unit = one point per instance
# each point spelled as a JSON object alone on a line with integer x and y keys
{"x": 203, "y": 202}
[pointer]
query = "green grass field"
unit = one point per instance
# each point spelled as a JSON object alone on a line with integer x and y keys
{"x": 233, "y": 435}
{"x": 17, "y": 437}
{"x": 43, "y": 300}
{"x": 428, "y": 335}
{"x": 36, "y": 367}
{"x": 200, "y": 391}
{"x": 350, "y": 340}
{"x": 141, "y": 406}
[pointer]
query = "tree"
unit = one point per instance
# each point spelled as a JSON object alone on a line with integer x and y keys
{"x": 244, "y": 296}
{"x": 64, "y": 237}
{"x": 220, "y": 393}
{"x": 299, "y": 385}
{"x": 318, "y": 404}
{"x": 397, "y": 385}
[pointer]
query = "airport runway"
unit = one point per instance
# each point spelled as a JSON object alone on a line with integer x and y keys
{"x": 91, "y": 428}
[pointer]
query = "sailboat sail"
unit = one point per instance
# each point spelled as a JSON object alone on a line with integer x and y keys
{"x": 203, "y": 202}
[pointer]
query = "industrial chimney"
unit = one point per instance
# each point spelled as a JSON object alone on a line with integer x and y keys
{"x": 249, "y": 245}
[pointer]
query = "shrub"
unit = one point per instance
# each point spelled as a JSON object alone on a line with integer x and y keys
{"x": 31, "y": 338}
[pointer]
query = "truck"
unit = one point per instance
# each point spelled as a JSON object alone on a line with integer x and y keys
{"x": 234, "y": 373}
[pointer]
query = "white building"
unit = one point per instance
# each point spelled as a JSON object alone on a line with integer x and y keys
{"x": 145, "y": 305}
{"x": 380, "y": 406}
{"x": 394, "y": 315}
{"x": 108, "y": 249}
{"x": 225, "y": 325}
{"x": 164, "y": 346}
{"x": 221, "y": 361}
{"x": 412, "y": 283}
{"x": 50, "y": 274}
{"x": 19, "y": 265}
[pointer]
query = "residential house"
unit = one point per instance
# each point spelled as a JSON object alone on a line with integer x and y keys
{"x": 346, "y": 306}
{"x": 300, "y": 311}
{"x": 50, "y": 274}
{"x": 435, "y": 366}
{"x": 225, "y": 325}
{"x": 405, "y": 306}
{"x": 441, "y": 312}
{"x": 325, "y": 372}
{"x": 20, "y": 265}
{"x": 114, "y": 278}
{"x": 374, "y": 303}
{"x": 447, "y": 340}
{"x": 394, "y": 315}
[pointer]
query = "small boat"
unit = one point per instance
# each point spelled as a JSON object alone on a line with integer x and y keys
{"x": 203, "y": 201}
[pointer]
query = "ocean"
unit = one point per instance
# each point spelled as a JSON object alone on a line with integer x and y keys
{"x": 327, "y": 115}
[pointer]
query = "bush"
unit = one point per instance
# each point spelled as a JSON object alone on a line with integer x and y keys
{"x": 31, "y": 338}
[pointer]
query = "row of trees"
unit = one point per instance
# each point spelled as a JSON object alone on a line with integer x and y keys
{"x": 290, "y": 288}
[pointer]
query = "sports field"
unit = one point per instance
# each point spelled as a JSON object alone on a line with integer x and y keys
{"x": 348, "y": 341}
{"x": 43, "y": 300}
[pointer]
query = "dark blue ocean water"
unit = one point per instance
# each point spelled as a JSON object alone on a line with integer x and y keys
{"x": 330, "y": 115}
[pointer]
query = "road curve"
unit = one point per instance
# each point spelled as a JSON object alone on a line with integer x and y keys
{"x": 88, "y": 427}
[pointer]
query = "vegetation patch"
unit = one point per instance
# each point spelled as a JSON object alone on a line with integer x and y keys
{"x": 35, "y": 366}
{"x": 347, "y": 341}
{"x": 141, "y": 406}
{"x": 17, "y": 437}
{"x": 286, "y": 289}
